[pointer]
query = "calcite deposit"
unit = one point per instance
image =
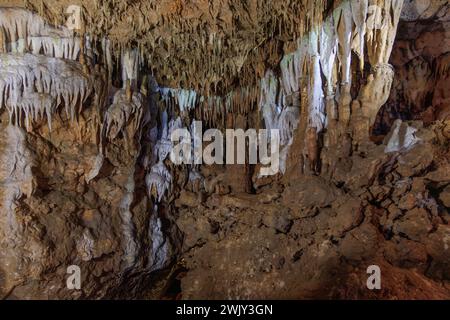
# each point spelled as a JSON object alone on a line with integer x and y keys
{"x": 92, "y": 91}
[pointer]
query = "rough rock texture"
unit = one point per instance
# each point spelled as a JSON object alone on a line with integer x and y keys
{"x": 357, "y": 89}
{"x": 308, "y": 237}
{"x": 52, "y": 218}
{"x": 421, "y": 58}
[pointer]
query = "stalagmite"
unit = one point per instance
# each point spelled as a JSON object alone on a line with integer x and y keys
{"x": 376, "y": 92}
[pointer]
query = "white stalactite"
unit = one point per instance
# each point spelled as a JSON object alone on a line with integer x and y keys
{"x": 328, "y": 51}
{"x": 158, "y": 181}
{"x": 24, "y": 28}
{"x": 130, "y": 66}
{"x": 57, "y": 47}
{"x": 359, "y": 11}
{"x": 316, "y": 101}
{"x": 27, "y": 77}
{"x": 343, "y": 21}
{"x": 122, "y": 111}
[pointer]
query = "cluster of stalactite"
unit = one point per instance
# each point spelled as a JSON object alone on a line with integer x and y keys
{"x": 337, "y": 97}
{"x": 312, "y": 91}
{"x": 208, "y": 46}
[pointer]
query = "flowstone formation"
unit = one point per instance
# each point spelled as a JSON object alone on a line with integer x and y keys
{"x": 357, "y": 90}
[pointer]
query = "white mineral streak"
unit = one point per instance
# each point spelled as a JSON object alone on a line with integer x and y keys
{"x": 268, "y": 100}
{"x": 130, "y": 66}
{"x": 277, "y": 115}
{"x": 30, "y": 84}
{"x": 317, "y": 106}
{"x": 328, "y": 50}
{"x": 160, "y": 246}
{"x": 159, "y": 179}
{"x": 402, "y": 137}
{"x": 289, "y": 76}
{"x": 107, "y": 56}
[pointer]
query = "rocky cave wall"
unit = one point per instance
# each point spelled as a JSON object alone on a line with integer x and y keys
{"x": 420, "y": 58}
{"x": 86, "y": 123}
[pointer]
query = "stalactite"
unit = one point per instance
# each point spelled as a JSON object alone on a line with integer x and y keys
{"x": 64, "y": 82}
{"x": 316, "y": 106}
{"x": 381, "y": 31}
{"x": 359, "y": 11}
{"x": 19, "y": 25}
{"x": 123, "y": 109}
{"x": 130, "y": 67}
{"x": 343, "y": 22}
{"x": 328, "y": 51}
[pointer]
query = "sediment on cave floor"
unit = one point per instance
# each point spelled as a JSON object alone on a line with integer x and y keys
{"x": 91, "y": 93}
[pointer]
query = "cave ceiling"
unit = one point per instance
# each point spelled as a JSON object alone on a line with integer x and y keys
{"x": 211, "y": 46}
